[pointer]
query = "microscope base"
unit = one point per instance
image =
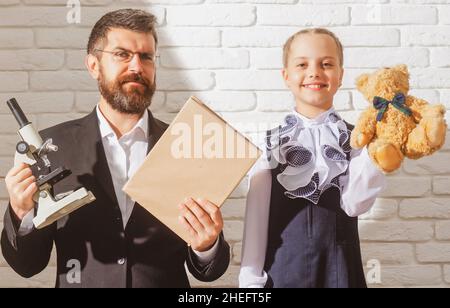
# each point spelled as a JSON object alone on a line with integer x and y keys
{"x": 50, "y": 210}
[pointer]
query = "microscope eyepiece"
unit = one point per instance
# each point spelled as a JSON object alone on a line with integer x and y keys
{"x": 17, "y": 112}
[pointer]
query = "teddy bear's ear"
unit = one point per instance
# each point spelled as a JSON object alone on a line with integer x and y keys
{"x": 361, "y": 81}
{"x": 402, "y": 68}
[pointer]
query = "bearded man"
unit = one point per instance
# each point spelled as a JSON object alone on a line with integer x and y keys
{"x": 112, "y": 242}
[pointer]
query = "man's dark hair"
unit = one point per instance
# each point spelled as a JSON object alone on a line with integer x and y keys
{"x": 129, "y": 19}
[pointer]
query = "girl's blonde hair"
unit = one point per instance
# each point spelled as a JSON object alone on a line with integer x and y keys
{"x": 287, "y": 45}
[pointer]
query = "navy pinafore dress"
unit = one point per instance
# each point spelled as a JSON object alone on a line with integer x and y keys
{"x": 311, "y": 245}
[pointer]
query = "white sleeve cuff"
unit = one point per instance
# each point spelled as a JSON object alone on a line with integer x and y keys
{"x": 249, "y": 279}
{"x": 205, "y": 257}
{"x": 26, "y": 226}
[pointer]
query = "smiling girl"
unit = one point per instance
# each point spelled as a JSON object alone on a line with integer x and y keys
{"x": 306, "y": 193}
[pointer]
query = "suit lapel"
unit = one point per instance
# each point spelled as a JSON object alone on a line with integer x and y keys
{"x": 155, "y": 132}
{"x": 93, "y": 145}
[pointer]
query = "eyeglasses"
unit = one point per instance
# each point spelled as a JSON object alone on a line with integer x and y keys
{"x": 125, "y": 56}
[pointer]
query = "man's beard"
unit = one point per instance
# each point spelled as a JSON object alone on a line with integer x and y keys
{"x": 131, "y": 101}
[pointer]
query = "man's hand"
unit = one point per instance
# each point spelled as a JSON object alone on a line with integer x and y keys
{"x": 203, "y": 220}
{"x": 21, "y": 186}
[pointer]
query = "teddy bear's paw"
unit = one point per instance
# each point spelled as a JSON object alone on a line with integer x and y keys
{"x": 359, "y": 140}
{"x": 389, "y": 157}
{"x": 435, "y": 131}
{"x": 434, "y": 111}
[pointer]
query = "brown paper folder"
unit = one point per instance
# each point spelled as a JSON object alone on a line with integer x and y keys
{"x": 199, "y": 156}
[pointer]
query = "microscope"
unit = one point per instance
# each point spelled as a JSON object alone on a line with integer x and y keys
{"x": 33, "y": 151}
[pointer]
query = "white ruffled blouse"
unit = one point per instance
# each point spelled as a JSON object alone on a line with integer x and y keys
{"x": 313, "y": 155}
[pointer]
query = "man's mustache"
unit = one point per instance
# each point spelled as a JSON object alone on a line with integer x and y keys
{"x": 135, "y": 78}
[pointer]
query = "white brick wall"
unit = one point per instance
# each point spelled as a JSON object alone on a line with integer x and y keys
{"x": 228, "y": 53}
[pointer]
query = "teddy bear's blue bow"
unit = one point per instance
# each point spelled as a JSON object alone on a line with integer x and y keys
{"x": 398, "y": 102}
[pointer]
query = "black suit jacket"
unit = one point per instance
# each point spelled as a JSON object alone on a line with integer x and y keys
{"x": 144, "y": 254}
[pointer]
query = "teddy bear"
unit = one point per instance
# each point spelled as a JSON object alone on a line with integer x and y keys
{"x": 396, "y": 124}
